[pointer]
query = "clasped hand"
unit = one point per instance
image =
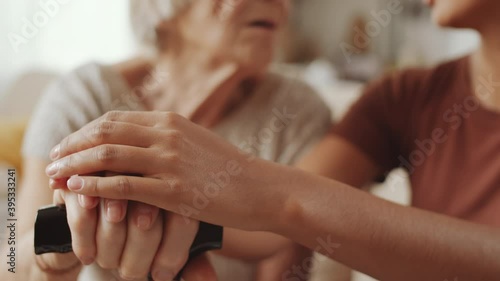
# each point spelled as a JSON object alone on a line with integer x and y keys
{"x": 160, "y": 162}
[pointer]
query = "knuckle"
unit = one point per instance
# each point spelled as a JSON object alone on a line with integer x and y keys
{"x": 173, "y": 263}
{"x": 171, "y": 185}
{"x": 107, "y": 264}
{"x": 111, "y": 115}
{"x": 102, "y": 131}
{"x": 58, "y": 197}
{"x": 106, "y": 153}
{"x": 92, "y": 185}
{"x": 174, "y": 135}
{"x": 67, "y": 163}
{"x": 178, "y": 262}
{"x": 174, "y": 138}
{"x": 124, "y": 186}
{"x": 129, "y": 274}
{"x": 176, "y": 187}
{"x": 170, "y": 119}
{"x": 82, "y": 251}
{"x": 172, "y": 158}
{"x": 65, "y": 143}
{"x": 170, "y": 153}
{"x": 78, "y": 224}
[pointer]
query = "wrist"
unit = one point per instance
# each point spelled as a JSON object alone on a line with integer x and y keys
{"x": 292, "y": 212}
{"x": 282, "y": 208}
{"x": 301, "y": 194}
{"x": 258, "y": 180}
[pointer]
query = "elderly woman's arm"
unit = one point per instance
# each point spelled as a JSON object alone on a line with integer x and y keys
{"x": 34, "y": 193}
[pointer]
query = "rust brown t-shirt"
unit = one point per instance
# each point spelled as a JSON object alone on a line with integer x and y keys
{"x": 430, "y": 122}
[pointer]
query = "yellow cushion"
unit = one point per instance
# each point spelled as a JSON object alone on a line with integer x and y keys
{"x": 11, "y": 139}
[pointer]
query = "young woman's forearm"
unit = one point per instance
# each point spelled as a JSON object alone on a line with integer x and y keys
{"x": 387, "y": 241}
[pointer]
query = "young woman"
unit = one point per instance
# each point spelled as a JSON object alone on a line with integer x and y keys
{"x": 210, "y": 66}
{"x": 442, "y": 124}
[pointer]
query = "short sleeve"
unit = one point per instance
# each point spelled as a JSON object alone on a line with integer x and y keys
{"x": 67, "y": 105}
{"x": 379, "y": 123}
{"x": 312, "y": 121}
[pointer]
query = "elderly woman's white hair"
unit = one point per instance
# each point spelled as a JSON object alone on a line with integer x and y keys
{"x": 145, "y": 16}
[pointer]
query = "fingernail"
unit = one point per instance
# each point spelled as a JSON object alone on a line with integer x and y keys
{"x": 57, "y": 183}
{"x": 81, "y": 201}
{"x": 52, "y": 169}
{"x": 163, "y": 275}
{"x": 54, "y": 153}
{"x": 144, "y": 219}
{"x": 75, "y": 183}
{"x": 114, "y": 211}
{"x": 87, "y": 202}
{"x": 52, "y": 183}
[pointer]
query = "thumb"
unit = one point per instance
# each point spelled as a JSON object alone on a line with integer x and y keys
{"x": 58, "y": 262}
{"x": 58, "y": 197}
{"x": 62, "y": 263}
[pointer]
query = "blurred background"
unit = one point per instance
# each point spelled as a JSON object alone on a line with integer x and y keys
{"x": 335, "y": 45}
{"x": 80, "y": 31}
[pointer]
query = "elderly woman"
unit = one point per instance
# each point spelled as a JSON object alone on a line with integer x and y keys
{"x": 209, "y": 65}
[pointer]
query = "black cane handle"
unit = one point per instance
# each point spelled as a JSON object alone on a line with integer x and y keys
{"x": 53, "y": 235}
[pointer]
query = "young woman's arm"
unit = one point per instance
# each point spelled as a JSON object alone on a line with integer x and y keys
{"x": 385, "y": 240}
{"x": 179, "y": 159}
{"x": 348, "y": 165}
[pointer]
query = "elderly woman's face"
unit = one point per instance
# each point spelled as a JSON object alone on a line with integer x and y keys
{"x": 244, "y": 31}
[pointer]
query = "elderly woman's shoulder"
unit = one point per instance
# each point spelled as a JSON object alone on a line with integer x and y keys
{"x": 92, "y": 82}
{"x": 88, "y": 72}
{"x": 91, "y": 76}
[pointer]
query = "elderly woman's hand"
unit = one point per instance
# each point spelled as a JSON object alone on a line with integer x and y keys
{"x": 135, "y": 240}
{"x": 182, "y": 168}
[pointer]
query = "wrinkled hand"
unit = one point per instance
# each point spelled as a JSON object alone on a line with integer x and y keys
{"x": 133, "y": 239}
{"x": 183, "y": 168}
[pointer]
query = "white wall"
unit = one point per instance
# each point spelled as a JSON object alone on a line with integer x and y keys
{"x": 327, "y": 22}
{"x": 432, "y": 44}
{"x": 76, "y": 31}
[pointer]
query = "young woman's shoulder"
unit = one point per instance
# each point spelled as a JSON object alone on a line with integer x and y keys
{"x": 423, "y": 83}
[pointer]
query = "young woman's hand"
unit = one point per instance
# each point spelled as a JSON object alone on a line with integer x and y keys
{"x": 179, "y": 166}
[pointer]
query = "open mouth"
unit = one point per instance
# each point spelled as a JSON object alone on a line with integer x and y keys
{"x": 263, "y": 24}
